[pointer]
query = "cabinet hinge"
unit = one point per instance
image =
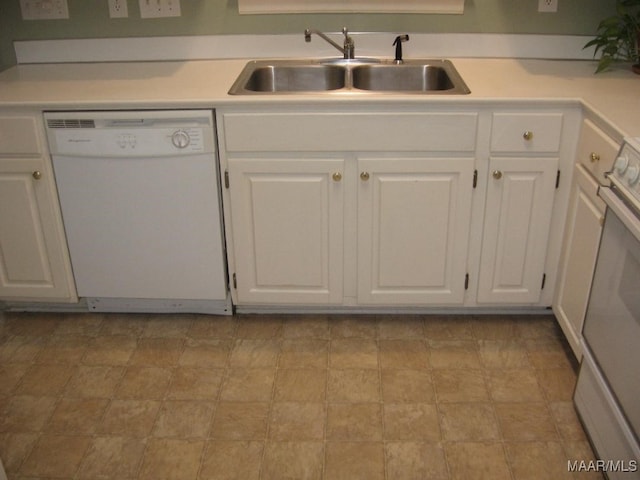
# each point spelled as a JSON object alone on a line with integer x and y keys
{"x": 466, "y": 281}
{"x": 226, "y": 179}
{"x": 544, "y": 280}
{"x": 235, "y": 282}
{"x": 558, "y": 179}
{"x": 475, "y": 178}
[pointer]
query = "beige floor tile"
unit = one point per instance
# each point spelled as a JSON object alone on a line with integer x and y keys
{"x": 259, "y": 326}
{"x": 514, "y": 385}
{"x": 526, "y": 421}
{"x": 536, "y": 460}
{"x": 80, "y": 324}
{"x": 21, "y": 349}
{"x": 447, "y": 327}
{"x": 94, "y": 381}
{"x": 10, "y": 376}
{"x": 353, "y": 386}
{"x": 407, "y": 327}
{"x": 353, "y": 353}
{"x": 56, "y": 456}
{"x": 304, "y": 353}
{"x": 411, "y": 422}
{"x": 403, "y": 353}
{"x": 300, "y": 385}
{"x": 557, "y": 383}
{"x": 255, "y": 352}
{"x": 549, "y": 353}
{"x": 232, "y": 460}
{"x": 495, "y": 327}
{"x": 184, "y": 419}
{"x": 77, "y": 415}
{"x": 144, "y": 383}
{"x": 468, "y": 422}
{"x": 14, "y": 448}
{"x": 297, "y": 421}
{"x": 25, "y": 413}
{"x": 477, "y": 461}
{"x": 248, "y": 385}
{"x": 299, "y": 460}
{"x": 306, "y": 326}
{"x": 454, "y": 354}
{"x": 581, "y": 451}
{"x": 212, "y": 352}
{"x": 131, "y": 325}
{"x": 212, "y": 326}
{"x": 171, "y": 459}
{"x": 503, "y": 354}
{"x": 354, "y": 461}
{"x": 240, "y": 421}
{"x": 538, "y": 327}
{"x": 63, "y": 349}
{"x": 174, "y": 326}
{"x": 157, "y": 352}
{"x": 365, "y": 326}
{"x": 407, "y": 386}
{"x": 354, "y": 422}
{"x": 110, "y": 350}
{"x": 567, "y": 421}
{"x": 112, "y": 458}
{"x": 31, "y": 324}
{"x": 44, "y": 380}
{"x": 134, "y": 418}
{"x": 460, "y": 385}
{"x": 415, "y": 461}
{"x": 190, "y": 383}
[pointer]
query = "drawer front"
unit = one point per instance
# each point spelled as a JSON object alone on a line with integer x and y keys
{"x": 323, "y": 132}
{"x": 596, "y": 150}
{"x": 18, "y": 136}
{"x": 526, "y": 132}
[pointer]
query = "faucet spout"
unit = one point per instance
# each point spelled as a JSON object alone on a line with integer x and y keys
{"x": 398, "y": 44}
{"x": 348, "y": 48}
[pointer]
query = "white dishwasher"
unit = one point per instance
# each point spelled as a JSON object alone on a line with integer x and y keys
{"x": 139, "y": 194}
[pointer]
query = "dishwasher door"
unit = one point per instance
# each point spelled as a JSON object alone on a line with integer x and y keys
{"x": 142, "y": 226}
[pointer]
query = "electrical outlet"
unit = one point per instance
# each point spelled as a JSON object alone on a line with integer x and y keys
{"x": 159, "y": 8}
{"x": 118, "y": 9}
{"x": 44, "y": 9}
{"x": 548, "y": 6}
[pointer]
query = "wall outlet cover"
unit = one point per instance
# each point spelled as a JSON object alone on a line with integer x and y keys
{"x": 548, "y": 6}
{"x": 159, "y": 8}
{"x": 44, "y": 9}
{"x": 118, "y": 9}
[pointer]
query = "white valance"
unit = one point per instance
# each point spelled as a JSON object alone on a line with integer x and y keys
{"x": 350, "y": 6}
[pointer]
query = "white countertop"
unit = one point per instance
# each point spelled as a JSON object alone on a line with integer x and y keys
{"x": 613, "y": 96}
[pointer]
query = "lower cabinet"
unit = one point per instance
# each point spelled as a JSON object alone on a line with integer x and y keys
{"x": 520, "y": 199}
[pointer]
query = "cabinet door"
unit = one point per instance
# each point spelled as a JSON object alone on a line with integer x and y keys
{"x": 520, "y": 197}
{"x": 413, "y": 230}
{"x": 32, "y": 259}
{"x": 582, "y": 240}
{"x": 287, "y": 226}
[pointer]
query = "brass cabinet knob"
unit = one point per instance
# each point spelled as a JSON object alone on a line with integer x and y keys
{"x": 337, "y": 176}
{"x": 527, "y": 135}
{"x": 497, "y": 174}
{"x": 594, "y": 157}
{"x": 37, "y": 175}
{"x": 364, "y": 176}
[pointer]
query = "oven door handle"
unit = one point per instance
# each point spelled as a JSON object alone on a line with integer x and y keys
{"x": 626, "y": 215}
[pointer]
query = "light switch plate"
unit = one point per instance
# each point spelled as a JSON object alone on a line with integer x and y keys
{"x": 118, "y": 9}
{"x": 44, "y": 9}
{"x": 159, "y": 8}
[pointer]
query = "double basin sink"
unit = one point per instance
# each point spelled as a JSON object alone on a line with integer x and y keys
{"x": 360, "y": 75}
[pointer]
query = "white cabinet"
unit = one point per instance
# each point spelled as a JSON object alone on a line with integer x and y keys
{"x": 34, "y": 263}
{"x": 595, "y": 155}
{"x": 518, "y": 211}
{"x": 413, "y": 229}
{"x": 287, "y": 221}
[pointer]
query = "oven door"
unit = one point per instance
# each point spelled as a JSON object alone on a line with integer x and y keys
{"x": 612, "y": 324}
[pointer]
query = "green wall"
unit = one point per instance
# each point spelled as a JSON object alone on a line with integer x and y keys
{"x": 90, "y": 19}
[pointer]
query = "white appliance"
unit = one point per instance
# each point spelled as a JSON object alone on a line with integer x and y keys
{"x": 140, "y": 201}
{"x": 607, "y": 394}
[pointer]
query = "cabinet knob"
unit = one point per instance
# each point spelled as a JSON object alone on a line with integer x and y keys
{"x": 364, "y": 176}
{"x": 594, "y": 157}
{"x": 37, "y": 175}
{"x": 527, "y": 135}
{"x": 337, "y": 176}
{"x": 497, "y": 174}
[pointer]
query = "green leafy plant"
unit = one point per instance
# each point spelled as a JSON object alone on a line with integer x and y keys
{"x": 618, "y": 36}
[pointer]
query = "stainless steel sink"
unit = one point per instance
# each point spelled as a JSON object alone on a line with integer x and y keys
{"x": 353, "y": 76}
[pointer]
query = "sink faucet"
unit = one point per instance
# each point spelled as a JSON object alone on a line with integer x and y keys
{"x": 347, "y": 49}
{"x": 398, "y": 44}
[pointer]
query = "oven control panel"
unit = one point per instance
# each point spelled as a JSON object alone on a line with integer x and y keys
{"x": 626, "y": 169}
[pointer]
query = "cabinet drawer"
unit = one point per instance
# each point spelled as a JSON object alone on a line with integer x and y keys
{"x": 596, "y": 150}
{"x": 526, "y": 132}
{"x": 334, "y": 131}
{"x": 18, "y": 136}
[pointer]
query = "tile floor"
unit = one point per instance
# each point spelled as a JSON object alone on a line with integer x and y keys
{"x": 397, "y": 397}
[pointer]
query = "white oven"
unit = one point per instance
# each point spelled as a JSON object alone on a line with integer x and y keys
{"x": 607, "y": 394}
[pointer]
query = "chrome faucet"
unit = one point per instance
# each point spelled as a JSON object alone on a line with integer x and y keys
{"x": 348, "y": 49}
